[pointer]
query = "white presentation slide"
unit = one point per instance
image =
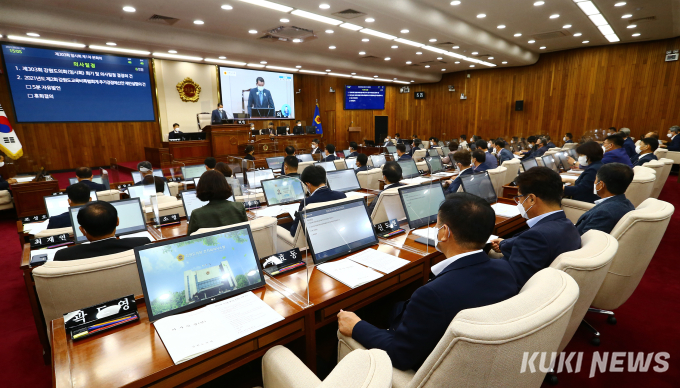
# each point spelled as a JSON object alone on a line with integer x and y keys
{"x": 191, "y": 172}
{"x": 137, "y": 176}
{"x": 143, "y": 192}
{"x": 191, "y": 202}
{"x": 58, "y": 204}
{"x": 282, "y": 190}
{"x": 424, "y": 201}
{"x": 343, "y": 180}
{"x": 328, "y": 166}
{"x": 261, "y": 94}
{"x": 408, "y": 168}
{"x": 329, "y": 229}
{"x": 130, "y": 218}
{"x": 378, "y": 160}
{"x": 255, "y": 177}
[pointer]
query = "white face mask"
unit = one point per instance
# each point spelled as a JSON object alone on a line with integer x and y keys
{"x": 260, "y": 88}
{"x": 2, "y": 164}
{"x": 177, "y": 129}
{"x": 520, "y": 207}
{"x": 436, "y": 239}
{"x": 493, "y": 151}
{"x": 595, "y": 189}
{"x": 637, "y": 149}
{"x": 313, "y": 146}
{"x": 604, "y": 149}
{"x": 531, "y": 146}
{"x": 299, "y": 125}
{"x": 564, "y": 138}
{"x": 669, "y": 135}
{"x": 220, "y": 109}
{"x": 582, "y": 160}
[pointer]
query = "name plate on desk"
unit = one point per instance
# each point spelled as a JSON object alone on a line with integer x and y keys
{"x": 387, "y": 228}
{"x": 38, "y": 218}
{"x": 252, "y": 204}
{"x": 283, "y": 262}
{"x": 90, "y": 320}
{"x": 50, "y": 240}
{"x": 168, "y": 220}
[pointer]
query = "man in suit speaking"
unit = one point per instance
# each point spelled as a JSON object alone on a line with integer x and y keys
{"x": 260, "y": 98}
{"x": 220, "y": 114}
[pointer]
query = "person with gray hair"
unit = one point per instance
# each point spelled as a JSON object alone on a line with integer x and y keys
{"x": 146, "y": 170}
{"x": 628, "y": 143}
{"x": 674, "y": 143}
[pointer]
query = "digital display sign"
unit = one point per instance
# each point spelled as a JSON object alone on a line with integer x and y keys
{"x": 364, "y": 97}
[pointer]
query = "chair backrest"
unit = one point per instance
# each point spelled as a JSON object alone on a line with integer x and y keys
{"x": 370, "y": 179}
{"x": 642, "y": 185}
{"x": 173, "y": 187}
{"x": 65, "y": 286}
{"x": 662, "y": 177}
{"x": 340, "y": 164}
{"x": 539, "y": 161}
{"x": 167, "y": 205}
{"x": 497, "y": 176}
{"x": 588, "y": 266}
{"x": 484, "y": 346}
{"x": 54, "y": 232}
{"x": 264, "y": 234}
{"x": 203, "y": 119}
{"x": 388, "y": 207}
{"x": 361, "y": 369}
{"x": 426, "y": 144}
{"x": 569, "y": 146}
{"x": 639, "y": 233}
{"x": 108, "y": 195}
{"x": 422, "y": 165}
{"x": 419, "y": 155}
{"x": 303, "y": 165}
{"x": 660, "y": 152}
{"x": 658, "y": 167}
{"x": 513, "y": 170}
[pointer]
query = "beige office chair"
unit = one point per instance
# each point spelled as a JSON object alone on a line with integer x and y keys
{"x": 419, "y": 155}
{"x": 659, "y": 181}
{"x": 569, "y": 146}
{"x": 174, "y": 188}
{"x": 167, "y": 205}
{"x": 513, "y": 170}
{"x": 5, "y": 200}
{"x": 426, "y": 144}
{"x": 360, "y": 369}
{"x": 203, "y": 120}
{"x": 497, "y": 176}
{"x": 65, "y": 286}
{"x": 263, "y": 230}
{"x": 422, "y": 165}
{"x": 484, "y": 346}
{"x": 663, "y": 178}
{"x": 388, "y": 207}
{"x": 340, "y": 164}
{"x": 672, "y": 155}
{"x": 587, "y": 266}
{"x": 370, "y": 179}
{"x": 660, "y": 153}
{"x": 539, "y": 162}
{"x": 108, "y": 195}
{"x": 642, "y": 185}
{"x": 303, "y": 165}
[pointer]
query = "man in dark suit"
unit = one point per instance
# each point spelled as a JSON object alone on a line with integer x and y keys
{"x": 78, "y": 195}
{"x": 260, "y": 97}
{"x": 98, "y": 221}
{"x": 611, "y": 183}
{"x": 503, "y": 153}
{"x": 352, "y": 150}
{"x": 387, "y": 142}
{"x": 4, "y": 184}
{"x": 401, "y": 152}
{"x": 549, "y": 142}
{"x": 314, "y": 177}
{"x": 462, "y": 161}
{"x": 479, "y": 161}
{"x": 550, "y": 233}
{"x": 298, "y": 129}
{"x": 614, "y": 151}
{"x": 290, "y": 166}
{"x": 417, "y": 143}
{"x": 219, "y": 114}
{"x": 398, "y": 139}
{"x": 330, "y": 153}
{"x": 568, "y": 138}
{"x": 531, "y": 149}
{"x": 674, "y": 143}
{"x": 84, "y": 175}
{"x": 391, "y": 175}
{"x": 645, "y": 151}
{"x": 270, "y": 130}
{"x": 490, "y": 161}
{"x": 361, "y": 163}
{"x": 315, "y": 147}
{"x": 541, "y": 147}
{"x": 146, "y": 170}
{"x": 628, "y": 143}
{"x": 175, "y": 133}
{"x": 466, "y": 279}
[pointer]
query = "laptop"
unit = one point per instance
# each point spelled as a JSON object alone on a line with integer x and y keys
{"x": 434, "y": 164}
{"x": 282, "y": 190}
{"x": 378, "y": 160}
{"x": 408, "y": 169}
{"x": 529, "y": 164}
{"x": 328, "y": 166}
{"x": 305, "y": 158}
{"x": 351, "y": 163}
{"x": 549, "y": 162}
{"x": 391, "y": 149}
{"x": 58, "y": 204}
{"x": 343, "y": 180}
{"x": 130, "y": 215}
{"x": 479, "y": 185}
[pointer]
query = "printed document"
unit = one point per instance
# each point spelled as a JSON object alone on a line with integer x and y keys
{"x": 349, "y": 273}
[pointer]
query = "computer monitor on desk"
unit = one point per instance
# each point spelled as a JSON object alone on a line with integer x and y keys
{"x": 58, "y": 204}
{"x": 528, "y": 164}
{"x": 328, "y": 166}
{"x": 137, "y": 176}
{"x": 95, "y": 179}
{"x": 549, "y": 162}
{"x": 378, "y": 160}
{"x": 254, "y": 177}
{"x": 275, "y": 163}
{"x": 351, "y": 163}
{"x": 281, "y": 131}
{"x": 421, "y": 203}
{"x": 191, "y": 172}
{"x": 130, "y": 216}
{"x": 433, "y": 152}
{"x": 408, "y": 169}
{"x": 311, "y": 130}
{"x": 479, "y": 185}
{"x": 305, "y": 158}
{"x": 343, "y": 180}
{"x": 282, "y": 190}
{"x": 434, "y": 163}
{"x": 338, "y": 229}
{"x": 145, "y": 191}
{"x": 391, "y": 149}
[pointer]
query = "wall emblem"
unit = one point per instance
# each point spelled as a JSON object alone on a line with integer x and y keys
{"x": 189, "y": 91}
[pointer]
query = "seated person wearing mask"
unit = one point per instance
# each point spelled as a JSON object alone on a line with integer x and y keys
{"x": 315, "y": 147}
{"x": 612, "y": 182}
{"x": 330, "y": 153}
{"x": 298, "y": 129}
{"x": 146, "y": 170}
{"x": 463, "y": 141}
{"x": 387, "y": 141}
{"x": 550, "y": 232}
{"x": 98, "y": 222}
{"x": 590, "y": 160}
{"x": 314, "y": 177}
{"x": 397, "y": 138}
{"x": 210, "y": 163}
{"x": 466, "y": 279}
{"x": 175, "y": 133}
{"x": 361, "y": 163}
{"x": 530, "y": 150}
{"x": 417, "y": 144}
{"x": 84, "y": 175}
{"x": 503, "y": 153}
{"x": 674, "y": 142}
{"x": 541, "y": 147}
{"x": 4, "y": 184}
{"x": 645, "y": 151}
{"x": 490, "y": 160}
{"x": 290, "y": 166}
{"x": 628, "y": 143}
{"x": 462, "y": 160}
{"x": 78, "y": 195}
{"x": 568, "y": 138}
{"x": 479, "y": 161}
{"x": 290, "y": 150}
{"x": 214, "y": 189}
{"x": 401, "y": 152}
{"x": 614, "y": 151}
{"x": 250, "y": 151}
{"x": 352, "y": 150}
{"x": 391, "y": 175}
{"x": 270, "y": 130}
{"x": 549, "y": 142}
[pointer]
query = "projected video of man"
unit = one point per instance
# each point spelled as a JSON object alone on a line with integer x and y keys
{"x": 261, "y": 99}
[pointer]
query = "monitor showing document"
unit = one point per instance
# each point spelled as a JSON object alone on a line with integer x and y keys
{"x": 130, "y": 216}
{"x": 58, "y": 204}
{"x": 421, "y": 203}
{"x": 282, "y": 190}
{"x": 549, "y": 162}
{"x": 328, "y": 166}
{"x": 275, "y": 163}
{"x": 378, "y": 160}
{"x": 190, "y": 272}
{"x": 446, "y": 151}
{"x": 145, "y": 191}
{"x": 343, "y": 180}
{"x": 305, "y": 158}
{"x": 254, "y": 177}
{"x": 391, "y": 149}
{"x": 433, "y": 152}
{"x": 95, "y": 179}
{"x": 408, "y": 169}
{"x": 529, "y": 163}
{"x": 479, "y": 185}
{"x": 338, "y": 229}
{"x": 351, "y": 163}
{"x": 191, "y": 172}
{"x": 563, "y": 158}
{"x": 137, "y": 176}
{"x": 434, "y": 163}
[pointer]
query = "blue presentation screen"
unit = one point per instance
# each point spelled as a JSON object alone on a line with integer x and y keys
{"x": 65, "y": 86}
{"x": 364, "y": 97}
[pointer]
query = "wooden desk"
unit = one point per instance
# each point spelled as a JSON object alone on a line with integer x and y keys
{"x": 28, "y": 196}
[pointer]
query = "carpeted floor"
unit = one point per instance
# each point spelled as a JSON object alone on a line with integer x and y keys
{"x": 647, "y": 323}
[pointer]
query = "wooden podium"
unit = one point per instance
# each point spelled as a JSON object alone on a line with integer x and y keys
{"x": 225, "y": 138}
{"x": 28, "y": 196}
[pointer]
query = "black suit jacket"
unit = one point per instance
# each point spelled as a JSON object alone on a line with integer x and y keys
{"x": 638, "y": 160}
{"x": 674, "y": 144}
{"x": 582, "y": 190}
{"x": 175, "y": 135}
{"x": 362, "y": 168}
{"x": 605, "y": 215}
{"x": 254, "y": 100}
{"x": 94, "y": 186}
{"x": 63, "y": 220}
{"x": 352, "y": 155}
{"x": 158, "y": 181}
{"x": 217, "y": 116}
{"x": 418, "y": 325}
{"x": 322, "y": 194}
{"x": 4, "y": 185}
{"x": 100, "y": 248}
{"x": 329, "y": 158}
{"x": 372, "y": 205}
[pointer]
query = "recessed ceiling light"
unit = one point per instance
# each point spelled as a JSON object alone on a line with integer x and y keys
{"x": 408, "y": 62}
{"x": 296, "y": 40}
{"x": 632, "y": 26}
{"x": 475, "y": 53}
{"x": 433, "y": 40}
{"x": 455, "y": 47}
{"x": 419, "y": 53}
{"x": 585, "y": 41}
{"x": 33, "y": 34}
{"x": 456, "y": 62}
{"x": 518, "y": 34}
{"x": 199, "y": 22}
{"x": 324, "y": 6}
{"x": 222, "y": 57}
{"x": 365, "y": 40}
{"x": 353, "y": 73}
{"x": 490, "y": 58}
{"x": 362, "y": 52}
{"x": 454, "y": 2}
{"x": 388, "y": 58}
{"x": 329, "y": 31}
{"x": 443, "y": 69}
{"x": 263, "y": 62}
{"x": 331, "y": 47}
{"x": 578, "y": 34}
{"x": 173, "y": 56}
{"x": 255, "y": 32}
{"x": 439, "y": 58}
{"x": 369, "y": 20}
{"x": 127, "y": 8}
{"x": 539, "y": 3}
{"x": 504, "y": 63}
{"x": 472, "y": 65}
{"x": 404, "y": 31}
{"x": 626, "y": 16}
{"x": 298, "y": 67}
{"x": 542, "y": 48}
{"x": 413, "y": 81}
{"x": 554, "y": 16}
{"x": 375, "y": 76}
{"x": 284, "y": 20}
{"x": 566, "y": 26}
{"x": 394, "y": 47}
{"x": 54, "y": 42}
{"x": 427, "y": 66}
{"x": 636, "y": 34}
{"x": 620, "y": 4}
{"x": 227, "y": 7}
{"x": 329, "y": 70}
{"x": 500, "y": 27}
{"x": 172, "y": 51}
{"x": 531, "y": 41}
{"x": 481, "y": 16}
{"x": 110, "y": 43}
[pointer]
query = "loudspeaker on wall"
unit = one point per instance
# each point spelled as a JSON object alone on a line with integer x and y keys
{"x": 519, "y": 105}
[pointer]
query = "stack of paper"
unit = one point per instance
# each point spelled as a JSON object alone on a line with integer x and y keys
{"x": 191, "y": 334}
{"x": 381, "y": 261}
{"x": 273, "y": 211}
{"x": 349, "y": 273}
{"x": 22, "y": 179}
{"x": 139, "y": 234}
{"x": 444, "y": 174}
{"x": 357, "y": 194}
{"x": 36, "y": 227}
{"x": 431, "y": 234}
{"x": 416, "y": 180}
{"x": 576, "y": 171}
{"x": 504, "y": 210}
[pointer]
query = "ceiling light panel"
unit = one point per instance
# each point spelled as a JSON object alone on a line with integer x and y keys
{"x": 378, "y": 34}
{"x": 313, "y": 72}
{"x": 173, "y": 56}
{"x": 45, "y": 41}
{"x": 119, "y": 50}
{"x": 318, "y": 18}
{"x": 351, "y": 26}
{"x": 223, "y": 62}
{"x": 588, "y": 8}
{"x": 269, "y": 4}
{"x": 409, "y": 42}
{"x": 595, "y": 16}
{"x": 281, "y": 68}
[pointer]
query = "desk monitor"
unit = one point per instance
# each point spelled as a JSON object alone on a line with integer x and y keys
{"x": 328, "y": 166}
{"x": 391, "y": 149}
{"x": 95, "y": 179}
{"x": 311, "y": 130}
{"x": 58, "y": 204}
{"x": 255, "y": 176}
{"x": 433, "y": 152}
{"x": 305, "y": 158}
{"x": 408, "y": 168}
{"x": 529, "y": 163}
{"x": 351, "y": 163}
{"x": 275, "y": 163}
{"x": 137, "y": 176}
{"x": 346, "y": 153}
{"x": 261, "y": 112}
{"x": 421, "y": 203}
{"x": 185, "y": 273}
{"x": 408, "y": 148}
{"x": 563, "y": 157}
{"x": 369, "y": 143}
{"x": 338, "y": 229}
{"x": 343, "y": 180}
{"x": 145, "y": 191}
{"x": 191, "y": 202}
{"x": 191, "y": 172}
{"x": 549, "y": 162}
{"x": 446, "y": 151}
{"x": 282, "y": 190}
{"x": 340, "y": 154}
{"x": 395, "y": 156}
{"x": 378, "y": 160}
{"x": 130, "y": 215}
{"x": 572, "y": 152}
{"x": 479, "y": 185}
{"x": 434, "y": 164}
{"x": 281, "y": 130}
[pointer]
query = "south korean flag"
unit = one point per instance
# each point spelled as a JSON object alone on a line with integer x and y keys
{"x": 9, "y": 142}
